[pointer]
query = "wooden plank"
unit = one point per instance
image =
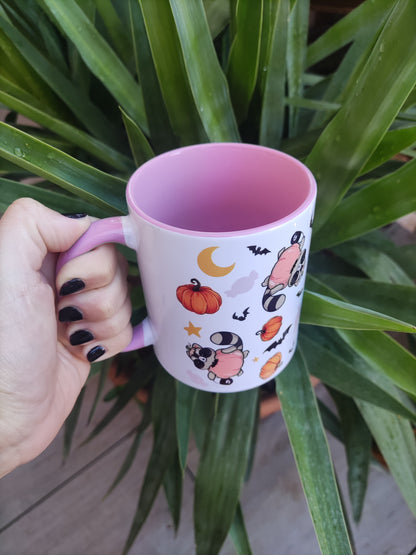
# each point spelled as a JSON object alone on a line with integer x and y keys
{"x": 28, "y": 484}
{"x": 76, "y": 519}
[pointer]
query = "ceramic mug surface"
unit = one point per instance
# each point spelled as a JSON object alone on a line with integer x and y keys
{"x": 222, "y": 234}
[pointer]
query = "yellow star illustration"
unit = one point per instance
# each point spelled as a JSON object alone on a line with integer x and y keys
{"x": 255, "y": 359}
{"x": 192, "y": 330}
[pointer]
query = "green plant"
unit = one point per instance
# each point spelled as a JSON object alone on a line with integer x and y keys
{"x": 112, "y": 83}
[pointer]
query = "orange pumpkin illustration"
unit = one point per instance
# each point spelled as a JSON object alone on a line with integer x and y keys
{"x": 270, "y": 328}
{"x": 198, "y": 298}
{"x": 271, "y": 366}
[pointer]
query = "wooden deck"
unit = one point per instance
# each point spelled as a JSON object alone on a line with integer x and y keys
{"x": 52, "y": 509}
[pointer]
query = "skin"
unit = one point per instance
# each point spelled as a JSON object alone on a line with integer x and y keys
{"x": 41, "y": 374}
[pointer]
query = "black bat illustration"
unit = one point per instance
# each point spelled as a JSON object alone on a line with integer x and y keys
{"x": 243, "y": 317}
{"x": 258, "y": 250}
{"x": 276, "y": 343}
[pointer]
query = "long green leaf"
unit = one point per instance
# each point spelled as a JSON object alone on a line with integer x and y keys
{"x": 358, "y": 441}
{"x": 350, "y": 376}
{"x": 79, "y": 71}
{"x": 185, "y": 401}
{"x": 396, "y": 441}
{"x": 16, "y": 91}
{"x": 380, "y": 351}
{"x": 218, "y": 14}
{"x": 207, "y": 80}
{"x": 393, "y": 142}
{"x": 74, "y": 97}
{"x": 267, "y": 29}
{"x": 45, "y": 35}
{"x": 332, "y": 340}
{"x": 203, "y": 413}
{"x": 244, "y": 56}
{"x": 312, "y": 104}
{"x": 100, "y": 58}
{"x": 356, "y": 30}
{"x": 12, "y": 190}
{"x": 173, "y": 486}
{"x": 239, "y": 535}
{"x": 102, "y": 369}
{"x": 163, "y": 452}
{"x": 370, "y": 259}
{"x": 116, "y": 30}
{"x": 99, "y": 188}
{"x": 353, "y": 134}
{"x": 14, "y": 15}
{"x": 134, "y": 447}
{"x": 385, "y": 354}
{"x": 139, "y": 145}
{"x": 138, "y": 380}
{"x": 330, "y": 420}
{"x": 322, "y": 310}
{"x": 398, "y": 301}
{"x": 160, "y": 131}
{"x": 11, "y": 170}
{"x": 90, "y": 144}
{"x": 335, "y": 87}
{"x": 221, "y": 469}
{"x": 18, "y": 69}
{"x": 376, "y": 205}
{"x": 71, "y": 423}
{"x": 358, "y": 22}
{"x": 310, "y": 448}
{"x": 403, "y": 255}
{"x": 169, "y": 64}
{"x": 273, "y": 105}
{"x": 296, "y": 57}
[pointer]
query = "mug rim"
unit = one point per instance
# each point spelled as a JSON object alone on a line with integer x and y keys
{"x": 303, "y": 206}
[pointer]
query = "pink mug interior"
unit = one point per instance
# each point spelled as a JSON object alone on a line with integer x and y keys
{"x": 221, "y": 188}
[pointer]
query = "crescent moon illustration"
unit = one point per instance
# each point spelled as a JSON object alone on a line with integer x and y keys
{"x": 207, "y": 265}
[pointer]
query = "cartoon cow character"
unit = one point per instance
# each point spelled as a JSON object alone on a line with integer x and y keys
{"x": 221, "y": 363}
{"x": 286, "y": 272}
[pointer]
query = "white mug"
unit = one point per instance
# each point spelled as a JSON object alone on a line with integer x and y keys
{"x": 222, "y": 234}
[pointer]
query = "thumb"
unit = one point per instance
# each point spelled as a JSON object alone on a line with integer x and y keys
{"x": 29, "y": 231}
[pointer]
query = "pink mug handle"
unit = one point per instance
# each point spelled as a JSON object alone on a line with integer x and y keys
{"x": 108, "y": 230}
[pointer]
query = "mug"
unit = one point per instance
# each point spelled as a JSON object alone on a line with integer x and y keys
{"x": 222, "y": 234}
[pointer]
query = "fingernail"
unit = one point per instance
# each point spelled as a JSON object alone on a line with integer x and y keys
{"x": 71, "y": 286}
{"x": 96, "y": 352}
{"x": 70, "y": 314}
{"x": 75, "y": 215}
{"x": 80, "y": 336}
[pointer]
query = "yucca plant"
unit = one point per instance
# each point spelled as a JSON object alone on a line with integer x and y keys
{"x": 111, "y": 84}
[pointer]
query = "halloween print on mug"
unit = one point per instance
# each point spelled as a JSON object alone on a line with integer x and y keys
{"x": 286, "y": 272}
{"x": 198, "y": 298}
{"x": 221, "y": 363}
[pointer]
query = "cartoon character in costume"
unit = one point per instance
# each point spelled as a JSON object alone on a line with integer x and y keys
{"x": 221, "y": 363}
{"x": 286, "y": 272}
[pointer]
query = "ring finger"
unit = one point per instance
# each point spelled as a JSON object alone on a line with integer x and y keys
{"x": 106, "y": 348}
{"x": 86, "y": 331}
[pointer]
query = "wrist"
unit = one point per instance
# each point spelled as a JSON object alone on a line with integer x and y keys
{"x": 11, "y": 454}
{"x": 9, "y": 459}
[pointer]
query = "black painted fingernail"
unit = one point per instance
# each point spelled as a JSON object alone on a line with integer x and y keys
{"x": 75, "y": 215}
{"x": 96, "y": 352}
{"x": 70, "y": 314}
{"x": 80, "y": 336}
{"x": 71, "y": 286}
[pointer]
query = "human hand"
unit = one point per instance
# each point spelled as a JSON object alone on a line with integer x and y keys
{"x": 86, "y": 304}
